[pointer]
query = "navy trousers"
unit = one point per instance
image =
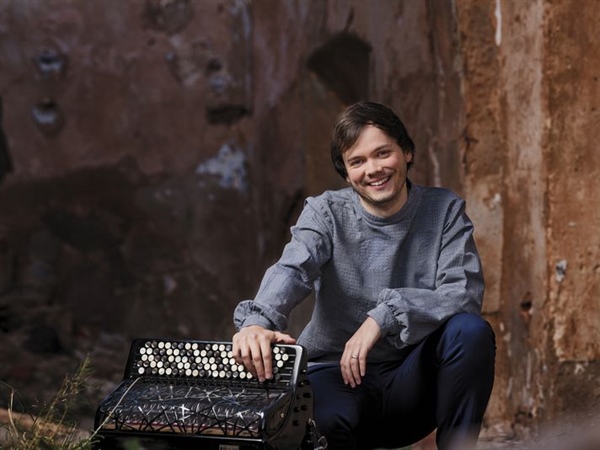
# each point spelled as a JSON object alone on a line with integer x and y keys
{"x": 445, "y": 382}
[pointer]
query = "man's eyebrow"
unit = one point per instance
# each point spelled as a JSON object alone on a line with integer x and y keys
{"x": 385, "y": 146}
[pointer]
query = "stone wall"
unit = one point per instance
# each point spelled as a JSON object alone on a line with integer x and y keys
{"x": 531, "y": 95}
{"x": 157, "y": 152}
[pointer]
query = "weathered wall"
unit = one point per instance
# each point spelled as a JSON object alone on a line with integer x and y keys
{"x": 125, "y": 168}
{"x": 572, "y": 313}
{"x": 531, "y": 96}
{"x": 162, "y": 148}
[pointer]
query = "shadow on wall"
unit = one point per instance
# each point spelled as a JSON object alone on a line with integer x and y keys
{"x": 342, "y": 64}
{"x": 5, "y": 160}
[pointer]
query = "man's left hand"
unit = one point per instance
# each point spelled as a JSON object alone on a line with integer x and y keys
{"x": 354, "y": 358}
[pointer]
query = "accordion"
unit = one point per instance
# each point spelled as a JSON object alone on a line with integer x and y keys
{"x": 178, "y": 394}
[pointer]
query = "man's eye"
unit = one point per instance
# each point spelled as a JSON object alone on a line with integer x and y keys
{"x": 384, "y": 153}
{"x": 354, "y": 163}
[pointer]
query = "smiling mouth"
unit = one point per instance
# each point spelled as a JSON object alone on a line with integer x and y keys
{"x": 379, "y": 182}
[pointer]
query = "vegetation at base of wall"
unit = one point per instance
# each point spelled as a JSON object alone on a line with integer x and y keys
{"x": 51, "y": 429}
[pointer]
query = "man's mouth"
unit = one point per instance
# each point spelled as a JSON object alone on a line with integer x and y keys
{"x": 379, "y": 182}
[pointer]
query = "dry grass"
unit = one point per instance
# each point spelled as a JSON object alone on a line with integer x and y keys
{"x": 50, "y": 429}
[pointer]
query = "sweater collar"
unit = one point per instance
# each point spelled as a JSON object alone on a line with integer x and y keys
{"x": 406, "y": 212}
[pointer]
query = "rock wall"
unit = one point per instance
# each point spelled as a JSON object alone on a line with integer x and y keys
{"x": 531, "y": 95}
{"x": 157, "y": 152}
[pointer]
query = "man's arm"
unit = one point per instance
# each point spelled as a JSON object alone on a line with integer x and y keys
{"x": 407, "y": 315}
{"x": 261, "y": 322}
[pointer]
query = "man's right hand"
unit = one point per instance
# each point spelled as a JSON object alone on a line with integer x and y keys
{"x": 252, "y": 348}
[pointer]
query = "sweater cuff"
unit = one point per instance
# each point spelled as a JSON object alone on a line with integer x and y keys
{"x": 249, "y": 313}
{"x": 385, "y": 319}
{"x": 255, "y": 320}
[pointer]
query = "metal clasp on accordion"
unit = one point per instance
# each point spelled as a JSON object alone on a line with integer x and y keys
{"x": 179, "y": 394}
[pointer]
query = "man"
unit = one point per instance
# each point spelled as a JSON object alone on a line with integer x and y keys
{"x": 396, "y": 344}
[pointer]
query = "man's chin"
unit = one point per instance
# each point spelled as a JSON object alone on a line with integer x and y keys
{"x": 381, "y": 198}
{"x": 380, "y": 201}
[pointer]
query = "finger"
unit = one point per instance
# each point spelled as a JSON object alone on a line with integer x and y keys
{"x": 242, "y": 353}
{"x": 362, "y": 363}
{"x": 348, "y": 374}
{"x": 236, "y": 349}
{"x": 355, "y": 368}
{"x": 267, "y": 362}
{"x": 344, "y": 367}
{"x": 246, "y": 357}
{"x": 255, "y": 359}
{"x": 282, "y": 338}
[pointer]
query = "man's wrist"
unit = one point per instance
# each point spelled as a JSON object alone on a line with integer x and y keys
{"x": 384, "y": 318}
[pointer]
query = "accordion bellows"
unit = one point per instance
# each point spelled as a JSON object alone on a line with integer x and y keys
{"x": 193, "y": 394}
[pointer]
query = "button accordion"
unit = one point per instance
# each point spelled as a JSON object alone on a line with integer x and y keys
{"x": 194, "y": 395}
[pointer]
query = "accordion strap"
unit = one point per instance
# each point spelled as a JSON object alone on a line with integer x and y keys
{"x": 314, "y": 441}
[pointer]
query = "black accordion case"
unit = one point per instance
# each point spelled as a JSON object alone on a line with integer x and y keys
{"x": 178, "y": 394}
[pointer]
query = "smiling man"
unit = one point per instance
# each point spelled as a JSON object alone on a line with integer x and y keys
{"x": 376, "y": 168}
{"x": 396, "y": 344}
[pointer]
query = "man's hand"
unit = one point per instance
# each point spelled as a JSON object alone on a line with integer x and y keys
{"x": 252, "y": 349}
{"x": 354, "y": 358}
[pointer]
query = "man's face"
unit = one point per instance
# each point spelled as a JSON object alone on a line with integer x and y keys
{"x": 377, "y": 169}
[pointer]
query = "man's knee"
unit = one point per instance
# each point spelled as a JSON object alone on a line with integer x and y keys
{"x": 469, "y": 334}
{"x": 469, "y": 328}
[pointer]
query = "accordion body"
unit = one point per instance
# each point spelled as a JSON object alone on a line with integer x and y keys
{"x": 194, "y": 395}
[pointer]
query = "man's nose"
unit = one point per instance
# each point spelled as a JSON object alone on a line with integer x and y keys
{"x": 372, "y": 166}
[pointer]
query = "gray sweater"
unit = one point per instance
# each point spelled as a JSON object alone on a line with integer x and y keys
{"x": 409, "y": 272}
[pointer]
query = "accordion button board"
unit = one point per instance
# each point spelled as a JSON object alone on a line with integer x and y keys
{"x": 180, "y": 394}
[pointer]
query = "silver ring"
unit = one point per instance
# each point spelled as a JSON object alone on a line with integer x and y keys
{"x": 354, "y": 357}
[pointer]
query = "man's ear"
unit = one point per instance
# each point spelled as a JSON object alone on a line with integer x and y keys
{"x": 408, "y": 156}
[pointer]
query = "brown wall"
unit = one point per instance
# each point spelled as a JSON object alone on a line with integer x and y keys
{"x": 531, "y": 97}
{"x": 161, "y": 149}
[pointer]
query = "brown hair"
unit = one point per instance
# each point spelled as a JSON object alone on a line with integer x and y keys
{"x": 351, "y": 122}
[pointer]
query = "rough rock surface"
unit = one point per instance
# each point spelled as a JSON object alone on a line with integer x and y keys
{"x": 154, "y": 154}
